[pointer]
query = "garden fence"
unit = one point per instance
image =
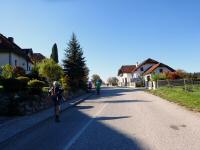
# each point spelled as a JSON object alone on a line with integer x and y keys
{"x": 179, "y": 82}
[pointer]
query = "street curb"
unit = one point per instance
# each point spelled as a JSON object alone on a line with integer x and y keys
{"x": 6, "y": 140}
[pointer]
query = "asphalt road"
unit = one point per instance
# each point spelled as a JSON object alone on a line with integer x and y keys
{"x": 118, "y": 119}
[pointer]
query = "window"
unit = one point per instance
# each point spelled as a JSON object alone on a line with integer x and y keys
{"x": 161, "y": 70}
{"x": 15, "y": 62}
{"x": 141, "y": 69}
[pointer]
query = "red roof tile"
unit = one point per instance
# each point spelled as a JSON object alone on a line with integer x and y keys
{"x": 126, "y": 69}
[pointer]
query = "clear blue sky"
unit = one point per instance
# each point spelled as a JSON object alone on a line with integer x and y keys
{"x": 111, "y": 32}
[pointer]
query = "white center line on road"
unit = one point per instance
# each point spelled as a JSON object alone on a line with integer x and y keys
{"x": 73, "y": 140}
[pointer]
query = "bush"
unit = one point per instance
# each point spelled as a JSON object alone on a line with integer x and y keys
{"x": 36, "y": 86}
{"x": 50, "y": 70}
{"x": 172, "y": 75}
{"x": 12, "y": 85}
{"x": 19, "y": 71}
{"x": 1, "y": 80}
{"x": 64, "y": 83}
{"x": 7, "y": 71}
{"x": 24, "y": 81}
{"x": 161, "y": 76}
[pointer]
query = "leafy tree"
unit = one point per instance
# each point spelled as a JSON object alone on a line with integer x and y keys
{"x": 54, "y": 54}
{"x": 113, "y": 81}
{"x": 7, "y": 71}
{"x": 75, "y": 65}
{"x": 95, "y": 77}
{"x": 181, "y": 73}
{"x": 51, "y": 70}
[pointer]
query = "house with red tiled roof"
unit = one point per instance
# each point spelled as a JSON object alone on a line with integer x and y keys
{"x": 125, "y": 75}
{"x": 156, "y": 69}
{"x": 141, "y": 74}
{"x": 144, "y": 71}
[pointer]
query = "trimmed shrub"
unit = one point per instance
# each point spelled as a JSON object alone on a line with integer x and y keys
{"x": 12, "y": 85}
{"x": 64, "y": 81}
{"x": 36, "y": 86}
{"x": 1, "y": 80}
{"x": 24, "y": 81}
{"x": 19, "y": 71}
{"x": 7, "y": 72}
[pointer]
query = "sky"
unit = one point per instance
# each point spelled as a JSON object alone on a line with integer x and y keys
{"x": 112, "y": 33}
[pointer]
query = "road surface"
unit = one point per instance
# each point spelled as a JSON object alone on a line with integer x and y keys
{"x": 118, "y": 119}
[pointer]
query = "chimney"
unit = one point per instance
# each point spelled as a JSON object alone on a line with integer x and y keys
{"x": 137, "y": 64}
{"x": 11, "y": 39}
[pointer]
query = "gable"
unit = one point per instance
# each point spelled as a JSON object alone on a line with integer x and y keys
{"x": 158, "y": 66}
{"x": 147, "y": 61}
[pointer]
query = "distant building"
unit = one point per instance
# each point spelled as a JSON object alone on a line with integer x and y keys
{"x": 37, "y": 58}
{"x": 142, "y": 72}
{"x": 125, "y": 75}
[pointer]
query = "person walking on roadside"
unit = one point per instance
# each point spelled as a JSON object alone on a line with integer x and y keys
{"x": 89, "y": 86}
{"x": 98, "y": 86}
{"x": 56, "y": 95}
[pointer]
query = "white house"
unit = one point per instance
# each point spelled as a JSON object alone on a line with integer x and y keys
{"x": 156, "y": 69}
{"x": 125, "y": 75}
{"x": 142, "y": 72}
{"x": 11, "y": 53}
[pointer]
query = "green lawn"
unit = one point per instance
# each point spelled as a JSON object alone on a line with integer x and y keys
{"x": 178, "y": 95}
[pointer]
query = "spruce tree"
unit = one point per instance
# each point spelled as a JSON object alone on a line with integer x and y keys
{"x": 54, "y": 54}
{"x": 75, "y": 65}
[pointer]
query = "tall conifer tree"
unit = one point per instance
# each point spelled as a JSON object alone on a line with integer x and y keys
{"x": 54, "y": 54}
{"x": 75, "y": 65}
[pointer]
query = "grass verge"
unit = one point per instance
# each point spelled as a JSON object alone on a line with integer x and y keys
{"x": 178, "y": 95}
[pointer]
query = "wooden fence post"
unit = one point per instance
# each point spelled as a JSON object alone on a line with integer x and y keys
{"x": 185, "y": 84}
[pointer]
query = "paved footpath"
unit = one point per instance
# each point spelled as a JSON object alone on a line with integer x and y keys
{"x": 118, "y": 119}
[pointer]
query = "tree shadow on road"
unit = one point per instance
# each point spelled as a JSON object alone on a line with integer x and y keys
{"x": 111, "y": 92}
{"x": 111, "y": 118}
{"x": 76, "y": 131}
{"x": 126, "y": 101}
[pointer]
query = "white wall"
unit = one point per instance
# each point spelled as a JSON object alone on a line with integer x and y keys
{"x": 122, "y": 78}
{"x": 4, "y": 59}
{"x": 21, "y": 61}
